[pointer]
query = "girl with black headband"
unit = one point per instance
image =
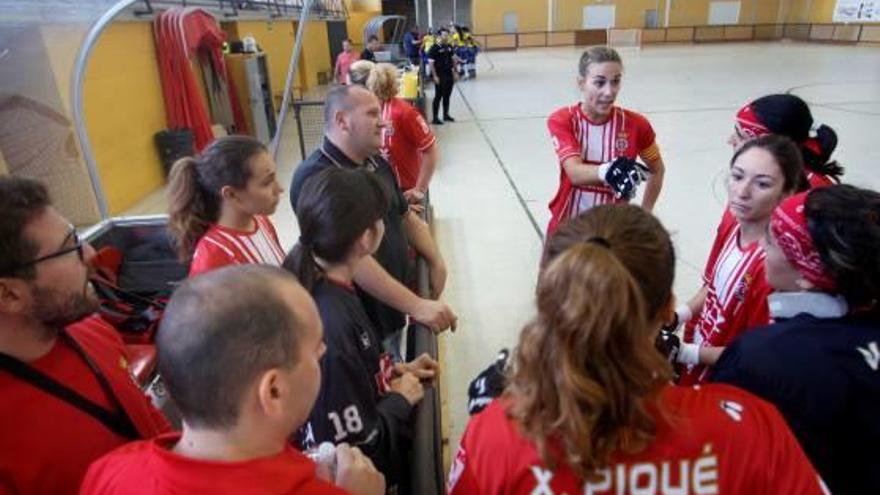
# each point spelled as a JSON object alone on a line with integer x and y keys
{"x": 819, "y": 363}
{"x": 589, "y": 407}
{"x": 789, "y": 116}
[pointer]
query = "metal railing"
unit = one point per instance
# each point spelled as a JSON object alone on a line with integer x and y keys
{"x": 249, "y": 9}
{"x": 426, "y": 464}
{"x": 309, "y": 116}
{"x": 811, "y": 32}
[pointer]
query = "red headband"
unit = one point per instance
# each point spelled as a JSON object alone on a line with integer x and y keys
{"x": 789, "y": 227}
{"x": 748, "y": 123}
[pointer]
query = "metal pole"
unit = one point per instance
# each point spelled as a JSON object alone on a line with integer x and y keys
{"x": 76, "y": 101}
{"x": 430, "y": 14}
{"x": 668, "y": 9}
{"x": 455, "y": 11}
{"x": 291, "y": 71}
{"x": 418, "y": 19}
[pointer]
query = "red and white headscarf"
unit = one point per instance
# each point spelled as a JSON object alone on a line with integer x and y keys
{"x": 789, "y": 227}
{"x": 748, "y": 124}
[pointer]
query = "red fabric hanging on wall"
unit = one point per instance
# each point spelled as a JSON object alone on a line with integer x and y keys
{"x": 181, "y": 33}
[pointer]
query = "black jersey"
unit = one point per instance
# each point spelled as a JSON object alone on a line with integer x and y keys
{"x": 823, "y": 374}
{"x": 354, "y": 405}
{"x": 393, "y": 251}
{"x": 441, "y": 54}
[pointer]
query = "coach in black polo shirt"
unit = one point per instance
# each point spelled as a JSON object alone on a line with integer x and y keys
{"x": 441, "y": 57}
{"x": 352, "y": 137}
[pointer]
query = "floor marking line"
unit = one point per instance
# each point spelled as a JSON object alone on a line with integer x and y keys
{"x": 519, "y": 196}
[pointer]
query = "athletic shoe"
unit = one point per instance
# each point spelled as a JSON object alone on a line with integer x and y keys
{"x": 448, "y": 119}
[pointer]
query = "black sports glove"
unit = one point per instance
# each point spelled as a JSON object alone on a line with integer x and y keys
{"x": 668, "y": 344}
{"x": 623, "y": 175}
{"x": 488, "y": 384}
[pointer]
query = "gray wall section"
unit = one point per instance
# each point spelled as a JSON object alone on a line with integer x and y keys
{"x": 442, "y": 12}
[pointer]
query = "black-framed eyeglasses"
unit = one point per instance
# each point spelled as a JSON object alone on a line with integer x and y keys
{"x": 77, "y": 246}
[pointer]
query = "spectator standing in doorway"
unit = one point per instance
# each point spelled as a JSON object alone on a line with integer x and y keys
{"x": 411, "y": 44}
{"x": 372, "y": 47}
{"x": 344, "y": 61}
{"x": 441, "y": 59}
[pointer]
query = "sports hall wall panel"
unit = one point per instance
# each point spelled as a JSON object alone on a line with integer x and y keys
{"x": 488, "y": 15}
{"x": 567, "y": 15}
{"x": 315, "y": 54}
{"x": 123, "y": 106}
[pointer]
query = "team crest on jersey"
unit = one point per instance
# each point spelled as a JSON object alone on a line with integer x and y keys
{"x": 622, "y": 142}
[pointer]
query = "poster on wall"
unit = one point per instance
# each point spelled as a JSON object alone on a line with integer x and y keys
{"x": 857, "y": 11}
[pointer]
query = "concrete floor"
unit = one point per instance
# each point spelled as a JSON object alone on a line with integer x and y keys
{"x": 498, "y": 170}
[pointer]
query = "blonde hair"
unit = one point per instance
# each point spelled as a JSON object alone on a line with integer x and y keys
{"x": 380, "y": 79}
{"x": 586, "y": 374}
{"x": 360, "y": 71}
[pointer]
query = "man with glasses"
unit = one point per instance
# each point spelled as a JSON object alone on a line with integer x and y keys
{"x": 66, "y": 394}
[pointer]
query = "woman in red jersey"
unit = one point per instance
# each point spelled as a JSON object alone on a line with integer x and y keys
{"x": 220, "y": 205}
{"x": 789, "y": 116}
{"x": 598, "y": 142}
{"x": 733, "y": 299}
{"x": 407, "y": 141}
{"x": 589, "y": 407}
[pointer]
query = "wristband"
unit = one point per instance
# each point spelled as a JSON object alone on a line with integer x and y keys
{"x": 603, "y": 170}
{"x": 688, "y": 354}
{"x": 684, "y": 313}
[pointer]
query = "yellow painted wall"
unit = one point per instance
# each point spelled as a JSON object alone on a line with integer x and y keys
{"x": 359, "y": 12}
{"x": 123, "y": 105}
{"x": 627, "y": 13}
{"x": 276, "y": 38}
{"x": 488, "y": 15}
{"x": 355, "y": 26}
{"x": 315, "y": 54}
{"x": 364, "y": 5}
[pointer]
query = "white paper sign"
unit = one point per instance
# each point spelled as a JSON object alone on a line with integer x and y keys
{"x": 857, "y": 11}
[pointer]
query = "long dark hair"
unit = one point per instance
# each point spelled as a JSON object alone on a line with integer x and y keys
{"x": 790, "y": 116}
{"x": 787, "y": 156}
{"x": 335, "y": 208}
{"x": 194, "y": 186}
{"x": 844, "y": 222}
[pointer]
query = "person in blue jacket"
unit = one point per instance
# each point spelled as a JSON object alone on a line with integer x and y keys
{"x": 819, "y": 363}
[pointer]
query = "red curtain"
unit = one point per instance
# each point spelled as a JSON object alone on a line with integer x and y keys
{"x": 181, "y": 34}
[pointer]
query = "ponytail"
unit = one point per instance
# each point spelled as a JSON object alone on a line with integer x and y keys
{"x": 334, "y": 209}
{"x": 194, "y": 186}
{"x": 192, "y": 209}
{"x": 380, "y": 79}
{"x": 301, "y": 262}
{"x": 586, "y": 368}
{"x": 817, "y": 153}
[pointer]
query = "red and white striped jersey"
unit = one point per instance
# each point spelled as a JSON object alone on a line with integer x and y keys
{"x": 625, "y": 133}
{"x": 405, "y": 137}
{"x": 222, "y": 246}
{"x": 736, "y": 300}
